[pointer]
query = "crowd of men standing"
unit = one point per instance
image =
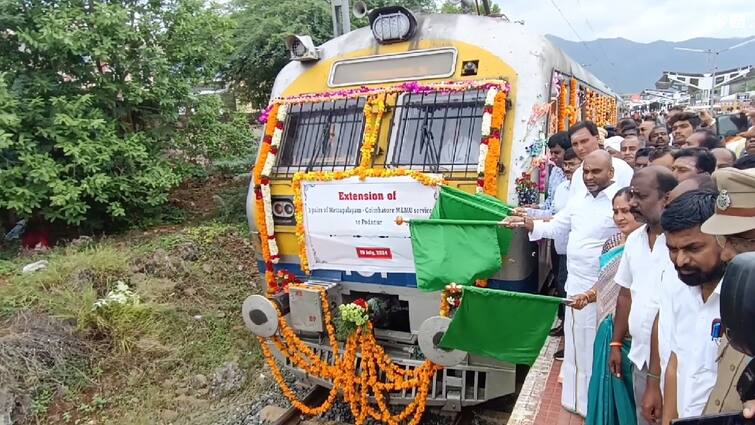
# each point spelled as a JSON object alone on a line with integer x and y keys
{"x": 645, "y": 217}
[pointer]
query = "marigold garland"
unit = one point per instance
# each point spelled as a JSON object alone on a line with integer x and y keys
{"x": 379, "y": 374}
{"x": 408, "y": 87}
{"x": 373, "y": 114}
{"x": 356, "y": 389}
{"x": 490, "y": 146}
{"x": 260, "y": 180}
{"x": 562, "y": 105}
{"x": 363, "y": 173}
{"x": 573, "y": 101}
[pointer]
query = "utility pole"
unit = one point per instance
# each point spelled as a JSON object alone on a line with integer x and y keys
{"x": 341, "y": 14}
{"x": 486, "y": 7}
{"x": 713, "y": 63}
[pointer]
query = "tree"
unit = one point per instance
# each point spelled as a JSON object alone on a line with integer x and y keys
{"x": 262, "y": 28}
{"x": 456, "y": 7}
{"x": 90, "y": 98}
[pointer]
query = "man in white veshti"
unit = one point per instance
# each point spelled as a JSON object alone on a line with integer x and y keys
{"x": 589, "y": 221}
{"x": 584, "y": 141}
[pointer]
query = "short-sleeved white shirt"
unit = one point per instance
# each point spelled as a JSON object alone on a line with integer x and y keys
{"x": 671, "y": 287}
{"x": 640, "y": 271}
{"x": 695, "y": 348}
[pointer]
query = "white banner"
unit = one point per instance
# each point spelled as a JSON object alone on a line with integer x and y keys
{"x": 351, "y": 224}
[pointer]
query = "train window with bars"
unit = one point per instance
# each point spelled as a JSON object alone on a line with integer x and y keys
{"x": 438, "y": 132}
{"x": 321, "y": 136}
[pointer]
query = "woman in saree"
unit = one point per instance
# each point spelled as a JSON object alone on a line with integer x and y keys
{"x": 610, "y": 399}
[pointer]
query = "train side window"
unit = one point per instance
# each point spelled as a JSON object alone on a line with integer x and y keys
{"x": 438, "y": 132}
{"x": 321, "y": 136}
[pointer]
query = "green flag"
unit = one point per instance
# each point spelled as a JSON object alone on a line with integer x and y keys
{"x": 455, "y": 204}
{"x": 508, "y": 326}
{"x": 458, "y": 251}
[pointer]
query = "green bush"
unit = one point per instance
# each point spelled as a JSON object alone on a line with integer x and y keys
{"x": 90, "y": 99}
{"x": 212, "y": 134}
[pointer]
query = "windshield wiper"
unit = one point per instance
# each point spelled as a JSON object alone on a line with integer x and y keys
{"x": 427, "y": 144}
{"x": 322, "y": 144}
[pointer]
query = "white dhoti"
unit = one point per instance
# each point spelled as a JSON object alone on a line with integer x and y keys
{"x": 588, "y": 220}
{"x": 579, "y": 337}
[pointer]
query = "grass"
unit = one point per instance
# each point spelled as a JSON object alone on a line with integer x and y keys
{"x": 190, "y": 284}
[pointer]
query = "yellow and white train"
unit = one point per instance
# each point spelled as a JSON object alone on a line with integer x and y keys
{"x": 426, "y": 127}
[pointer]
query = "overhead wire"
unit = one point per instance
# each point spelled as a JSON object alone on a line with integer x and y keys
{"x": 579, "y": 37}
{"x": 595, "y": 34}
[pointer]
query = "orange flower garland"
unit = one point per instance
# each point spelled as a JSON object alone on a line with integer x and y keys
{"x": 373, "y": 114}
{"x": 260, "y": 215}
{"x": 493, "y": 142}
{"x": 562, "y": 105}
{"x": 355, "y": 389}
{"x": 573, "y": 101}
{"x": 340, "y": 175}
{"x": 378, "y": 373}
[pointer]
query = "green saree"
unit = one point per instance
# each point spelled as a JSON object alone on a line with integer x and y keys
{"x": 610, "y": 399}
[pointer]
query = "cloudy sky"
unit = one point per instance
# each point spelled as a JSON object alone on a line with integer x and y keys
{"x": 637, "y": 20}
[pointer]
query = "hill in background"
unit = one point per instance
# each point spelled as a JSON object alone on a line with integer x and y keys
{"x": 629, "y": 67}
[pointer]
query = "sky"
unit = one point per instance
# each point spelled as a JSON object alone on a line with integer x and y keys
{"x": 636, "y": 20}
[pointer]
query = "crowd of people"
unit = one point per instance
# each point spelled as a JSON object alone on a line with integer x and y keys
{"x": 644, "y": 218}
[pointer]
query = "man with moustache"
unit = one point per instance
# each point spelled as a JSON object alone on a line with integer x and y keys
{"x": 660, "y": 351}
{"x": 584, "y": 140}
{"x": 589, "y": 221}
{"x": 682, "y": 126}
{"x": 695, "y": 310}
{"x": 645, "y": 257}
{"x": 733, "y": 224}
{"x": 658, "y": 137}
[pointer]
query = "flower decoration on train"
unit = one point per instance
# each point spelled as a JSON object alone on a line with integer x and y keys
{"x": 352, "y": 316}
{"x": 373, "y": 114}
{"x": 527, "y": 190}
{"x": 377, "y": 375}
{"x": 283, "y": 280}
{"x": 452, "y": 295}
{"x": 494, "y": 114}
{"x": 573, "y": 101}
{"x": 562, "y": 106}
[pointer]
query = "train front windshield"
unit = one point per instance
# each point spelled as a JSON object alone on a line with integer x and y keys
{"x": 322, "y": 136}
{"x": 438, "y": 132}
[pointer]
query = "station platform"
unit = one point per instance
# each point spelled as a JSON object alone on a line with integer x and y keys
{"x": 539, "y": 401}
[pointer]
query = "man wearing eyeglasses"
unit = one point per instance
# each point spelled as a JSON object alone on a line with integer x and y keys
{"x": 734, "y": 227}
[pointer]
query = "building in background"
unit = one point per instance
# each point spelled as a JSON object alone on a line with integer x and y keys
{"x": 709, "y": 88}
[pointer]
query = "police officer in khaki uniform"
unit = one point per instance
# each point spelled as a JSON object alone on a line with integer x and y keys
{"x": 734, "y": 227}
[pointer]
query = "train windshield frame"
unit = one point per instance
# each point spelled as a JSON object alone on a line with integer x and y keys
{"x": 438, "y": 132}
{"x": 321, "y": 136}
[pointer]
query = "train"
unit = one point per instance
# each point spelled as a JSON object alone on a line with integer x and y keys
{"x": 412, "y": 60}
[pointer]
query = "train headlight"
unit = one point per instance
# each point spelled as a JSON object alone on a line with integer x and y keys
{"x": 302, "y": 48}
{"x": 392, "y": 24}
{"x": 283, "y": 210}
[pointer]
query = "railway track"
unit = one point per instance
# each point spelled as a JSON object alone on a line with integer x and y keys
{"x": 292, "y": 416}
{"x": 318, "y": 394}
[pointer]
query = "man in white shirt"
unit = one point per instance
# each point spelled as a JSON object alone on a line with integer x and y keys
{"x": 645, "y": 257}
{"x": 589, "y": 221}
{"x": 584, "y": 140}
{"x": 570, "y": 163}
{"x": 695, "y": 313}
{"x": 660, "y": 345}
